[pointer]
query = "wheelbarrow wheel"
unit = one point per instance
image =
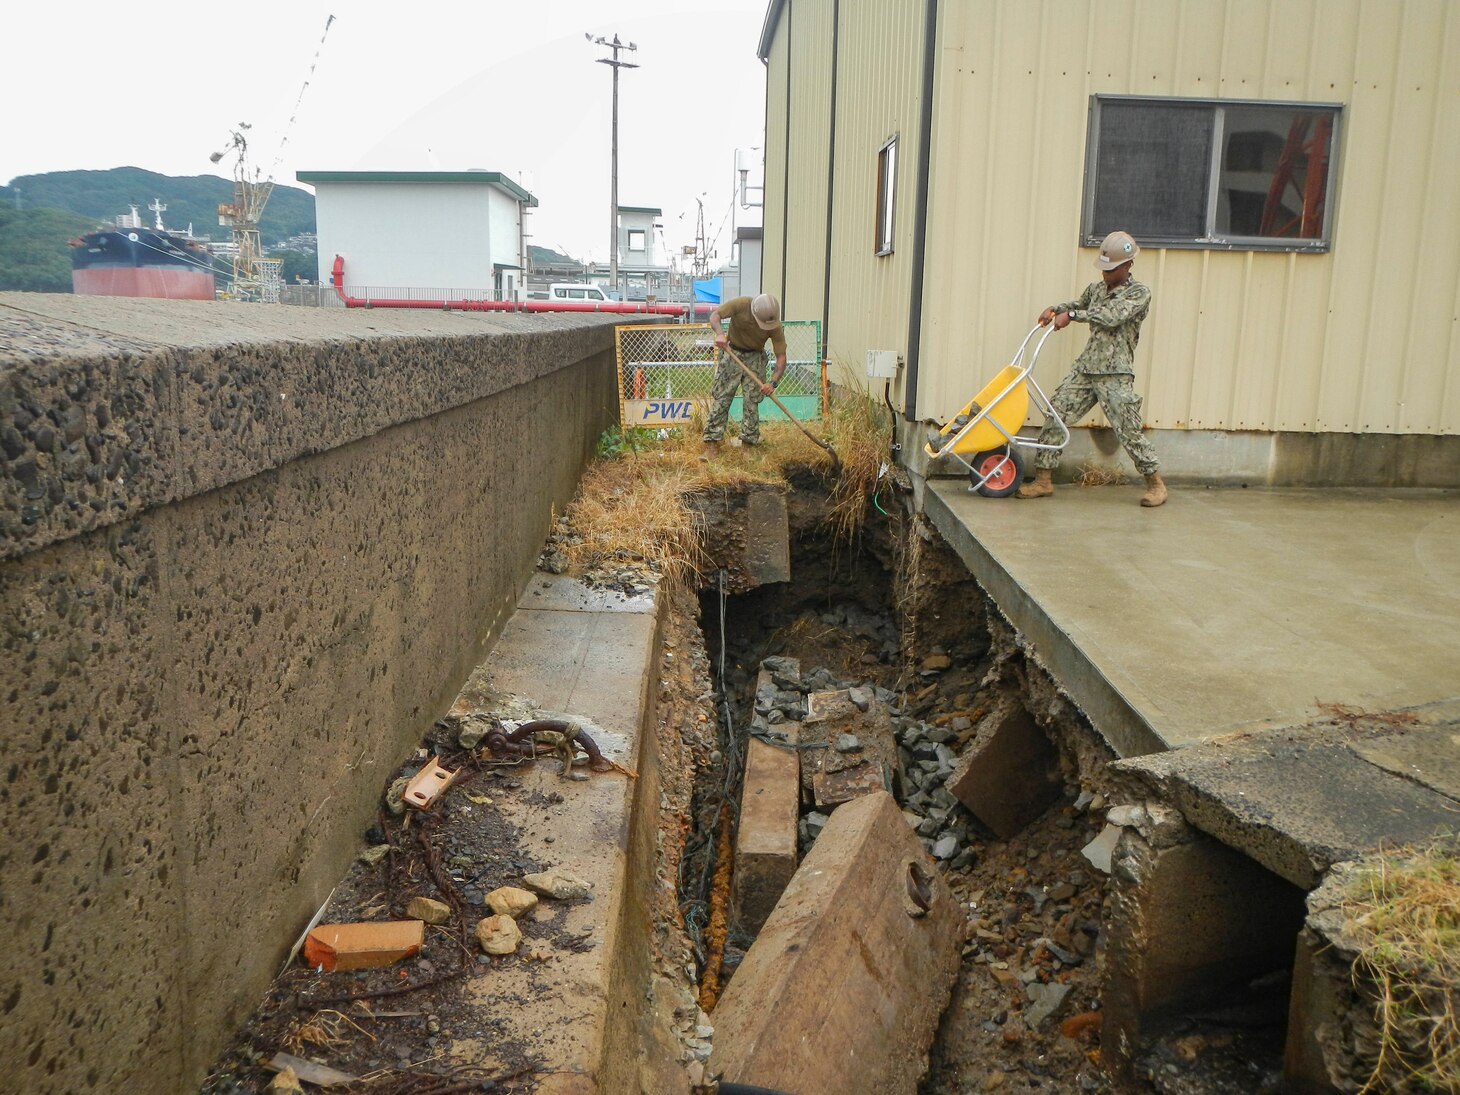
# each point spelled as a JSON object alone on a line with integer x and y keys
{"x": 1002, "y": 481}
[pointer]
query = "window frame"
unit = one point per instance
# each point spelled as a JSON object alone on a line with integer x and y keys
{"x": 643, "y": 234}
{"x": 885, "y": 206}
{"x": 1089, "y": 237}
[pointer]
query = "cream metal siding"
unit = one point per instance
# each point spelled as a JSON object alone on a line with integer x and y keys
{"x": 774, "y": 210}
{"x": 1363, "y": 338}
{"x": 810, "y": 151}
{"x": 879, "y": 75}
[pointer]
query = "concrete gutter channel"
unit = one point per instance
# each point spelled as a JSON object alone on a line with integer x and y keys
{"x": 593, "y": 656}
{"x": 1204, "y": 658}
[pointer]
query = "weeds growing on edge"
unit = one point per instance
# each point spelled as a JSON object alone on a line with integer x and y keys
{"x": 1406, "y": 913}
{"x": 633, "y": 502}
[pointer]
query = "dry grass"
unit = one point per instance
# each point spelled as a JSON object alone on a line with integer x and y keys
{"x": 328, "y": 1030}
{"x": 1092, "y": 475}
{"x": 632, "y": 505}
{"x": 1406, "y": 913}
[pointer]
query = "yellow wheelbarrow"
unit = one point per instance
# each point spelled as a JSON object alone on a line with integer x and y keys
{"x": 984, "y": 436}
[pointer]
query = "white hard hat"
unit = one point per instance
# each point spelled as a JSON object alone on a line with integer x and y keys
{"x": 767, "y": 312}
{"x": 1116, "y": 249}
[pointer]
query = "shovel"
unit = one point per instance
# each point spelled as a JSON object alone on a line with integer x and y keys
{"x": 836, "y": 462}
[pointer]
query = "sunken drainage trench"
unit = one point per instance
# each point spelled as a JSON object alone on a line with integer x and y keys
{"x": 1158, "y": 958}
{"x": 1043, "y": 925}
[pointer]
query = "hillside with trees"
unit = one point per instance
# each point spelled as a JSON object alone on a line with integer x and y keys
{"x": 34, "y": 256}
{"x": 102, "y": 195}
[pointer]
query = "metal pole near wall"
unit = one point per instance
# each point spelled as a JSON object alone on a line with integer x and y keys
{"x": 613, "y": 62}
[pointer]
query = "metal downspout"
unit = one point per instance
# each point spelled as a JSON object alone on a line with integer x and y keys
{"x": 786, "y": 160}
{"x": 920, "y": 217}
{"x": 836, "y": 26}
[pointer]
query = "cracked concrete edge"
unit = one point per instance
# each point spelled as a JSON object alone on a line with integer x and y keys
{"x": 1283, "y": 845}
{"x": 1110, "y": 712}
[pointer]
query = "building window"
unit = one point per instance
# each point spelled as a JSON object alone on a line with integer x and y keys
{"x": 636, "y": 239}
{"x": 886, "y": 196}
{"x": 1211, "y": 173}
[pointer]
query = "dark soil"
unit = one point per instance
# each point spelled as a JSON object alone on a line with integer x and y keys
{"x": 390, "y": 1026}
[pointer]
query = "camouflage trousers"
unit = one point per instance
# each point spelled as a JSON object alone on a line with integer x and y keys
{"x": 1116, "y": 394}
{"x": 728, "y": 377}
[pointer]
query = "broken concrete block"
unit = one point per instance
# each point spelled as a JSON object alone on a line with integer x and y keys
{"x": 511, "y": 901}
{"x": 1186, "y": 923}
{"x": 765, "y": 841}
{"x": 834, "y": 775}
{"x": 1099, "y": 850}
{"x": 558, "y": 885}
{"x": 498, "y": 935}
{"x": 859, "y": 956}
{"x": 1009, "y": 773}
{"x": 767, "y": 553}
{"x": 429, "y": 910}
{"x": 362, "y": 946}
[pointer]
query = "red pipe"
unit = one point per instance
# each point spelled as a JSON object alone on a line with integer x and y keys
{"x": 337, "y": 279}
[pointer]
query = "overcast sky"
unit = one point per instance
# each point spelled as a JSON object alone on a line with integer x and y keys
{"x": 431, "y": 85}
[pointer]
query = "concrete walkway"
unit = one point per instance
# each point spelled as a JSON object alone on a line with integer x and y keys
{"x": 1224, "y": 610}
{"x": 581, "y": 1011}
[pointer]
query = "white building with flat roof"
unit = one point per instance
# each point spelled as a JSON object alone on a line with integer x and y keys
{"x": 422, "y": 230}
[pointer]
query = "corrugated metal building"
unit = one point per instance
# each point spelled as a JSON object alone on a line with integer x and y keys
{"x": 938, "y": 170}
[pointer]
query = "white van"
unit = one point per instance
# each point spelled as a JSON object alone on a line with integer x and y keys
{"x": 581, "y": 292}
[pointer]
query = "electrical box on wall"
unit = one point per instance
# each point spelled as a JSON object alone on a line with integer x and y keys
{"x": 882, "y": 364}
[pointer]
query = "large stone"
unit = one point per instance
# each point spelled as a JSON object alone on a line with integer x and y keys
{"x": 765, "y": 841}
{"x": 559, "y": 885}
{"x": 428, "y": 909}
{"x": 1010, "y": 772}
{"x": 843, "y": 988}
{"x": 498, "y": 935}
{"x": 511, "y": 901}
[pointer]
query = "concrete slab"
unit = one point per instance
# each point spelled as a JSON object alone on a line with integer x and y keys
{"x": 1299, "y": 800}
{"x": 856, "y": 962}
{"x": 834, "y": 777}
{"x": 1009, "y": 773}
{"x": 1224, "y": 610}
{"x": 560, "y": 593}
{"x": 767, "y": 537}
{"x": 765, "y": 839}
{"x": 1430, "y": 759}
{"x": 590, "y": 658}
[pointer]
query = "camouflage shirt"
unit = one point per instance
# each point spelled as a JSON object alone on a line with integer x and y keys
{"x": 1115, "y": 319}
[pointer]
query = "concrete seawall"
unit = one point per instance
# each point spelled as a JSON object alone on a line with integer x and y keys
{"x": 246, "y": 555}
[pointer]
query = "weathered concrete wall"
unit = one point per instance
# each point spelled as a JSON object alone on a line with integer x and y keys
{"x": 247, "y": 555}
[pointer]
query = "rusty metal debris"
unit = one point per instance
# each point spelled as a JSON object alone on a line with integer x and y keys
{"x": 553, "y": 737}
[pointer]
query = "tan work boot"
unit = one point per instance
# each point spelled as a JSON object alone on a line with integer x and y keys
{"x": 1042, "y": 487}
{"x": 1155, "y": 490}
{"x": 708, "y": 449}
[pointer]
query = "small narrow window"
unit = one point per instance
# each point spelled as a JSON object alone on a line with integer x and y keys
{"x": 636, "y": 239}
{"x": 886, "y": 196}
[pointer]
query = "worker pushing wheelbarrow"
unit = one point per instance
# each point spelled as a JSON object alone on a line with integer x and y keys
{"x": 984, "y": 436}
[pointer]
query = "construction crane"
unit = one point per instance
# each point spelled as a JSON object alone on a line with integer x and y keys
{"x": 255, "y": 277}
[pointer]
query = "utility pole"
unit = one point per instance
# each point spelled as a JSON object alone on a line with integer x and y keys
{"x": 615, "y": 64}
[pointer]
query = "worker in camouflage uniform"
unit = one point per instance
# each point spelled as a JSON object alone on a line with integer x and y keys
{"x": 752, "y": 322}
{"x": 1104, "y": 373}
